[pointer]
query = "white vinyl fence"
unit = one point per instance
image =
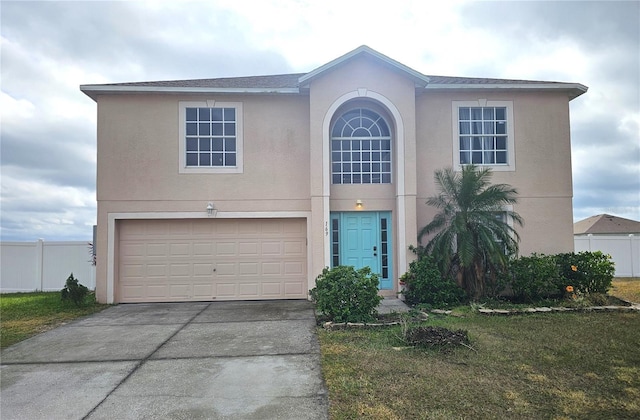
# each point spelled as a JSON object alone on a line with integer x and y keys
{"x": 44, "y": 266}
{"x": 624, "y": 250}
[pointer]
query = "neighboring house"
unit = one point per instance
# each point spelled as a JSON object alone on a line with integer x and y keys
{"x": 615, "y": 236}
{"x": 247, "y": 187}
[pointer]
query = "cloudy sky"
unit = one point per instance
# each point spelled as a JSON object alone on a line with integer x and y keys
{"x": 48, "y": 140}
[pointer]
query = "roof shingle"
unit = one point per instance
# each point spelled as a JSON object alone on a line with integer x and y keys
{"x": 606, "y": 223}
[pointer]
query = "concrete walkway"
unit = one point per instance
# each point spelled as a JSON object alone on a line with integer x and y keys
{"x": 221, "y": 360}
{"x": 392, "y": 305}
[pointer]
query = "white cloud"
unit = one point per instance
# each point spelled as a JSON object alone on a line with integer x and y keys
{"x": 50, "y": 48}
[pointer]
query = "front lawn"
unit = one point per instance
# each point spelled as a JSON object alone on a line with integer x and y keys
{"x": 578, "y": 365}
{"x": 627, "y": 288}
{"x": 25, "y": 314}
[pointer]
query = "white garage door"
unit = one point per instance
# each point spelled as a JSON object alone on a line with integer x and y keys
{"x": 212, "y": 259}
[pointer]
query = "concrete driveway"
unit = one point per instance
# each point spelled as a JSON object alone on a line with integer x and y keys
{"x": 220, "y": 360}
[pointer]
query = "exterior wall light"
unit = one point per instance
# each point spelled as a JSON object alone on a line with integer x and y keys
{"x": 211, "y": 211}
{"x": 359, "y": 204}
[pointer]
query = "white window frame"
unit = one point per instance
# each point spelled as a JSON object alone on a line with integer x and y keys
{"x": 504, "y": 212}
{"x": 353, "y": 139}
{"x": 455, "y": 119}
{"x": 182, "y": 160}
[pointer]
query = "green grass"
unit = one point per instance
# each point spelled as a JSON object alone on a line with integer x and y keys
{"x": 23, "y": 315}
{"x": 548, "y": 366}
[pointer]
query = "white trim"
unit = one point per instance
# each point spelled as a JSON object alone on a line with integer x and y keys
{"x": 402, "y": 237}
{"x": 326, "y": 205}
{"x": 399, "y": 162}
{"x": 419, "y": 78}
{"x": 94, "y": 90}
{"x": 578, "y": 88}
{"x": 510, "y": 166}
{"x": 210, "y": 103}
{"x": 111, "y": 225}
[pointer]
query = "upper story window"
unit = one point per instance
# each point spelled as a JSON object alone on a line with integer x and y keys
{"x": 483, "y": 134}
{"x": 210, "y": 137}
{"x": 360, "y": 148}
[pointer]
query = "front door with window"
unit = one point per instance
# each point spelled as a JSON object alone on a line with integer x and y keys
{"x": 363, "y": 239}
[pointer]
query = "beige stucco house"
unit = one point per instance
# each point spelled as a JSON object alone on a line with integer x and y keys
{"x": 245, "y": 188}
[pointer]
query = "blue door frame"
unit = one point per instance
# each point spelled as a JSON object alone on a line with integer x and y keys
{"x": 363, "y": 239}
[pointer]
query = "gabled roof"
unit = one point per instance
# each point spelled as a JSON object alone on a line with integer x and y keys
{"x": 296, "y": 83}
{"x": 605, "y": 223}
{"x": 420, "y": 79}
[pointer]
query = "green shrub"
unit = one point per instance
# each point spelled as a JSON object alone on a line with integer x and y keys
{"x": 534, "y": 278}
{"x": 425, "y": 285}
{"x": 587, "y": 272}
{"x": 346, "y": 295}
{"x": 74, "y": 291}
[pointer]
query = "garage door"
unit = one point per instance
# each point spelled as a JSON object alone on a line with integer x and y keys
{"x": 204, "y": 259}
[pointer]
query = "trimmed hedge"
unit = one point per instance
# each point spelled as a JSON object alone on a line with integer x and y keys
{"x": 424, "y": 285}
{"x": 345, "y": 294}
{"x": 542, "y": 276}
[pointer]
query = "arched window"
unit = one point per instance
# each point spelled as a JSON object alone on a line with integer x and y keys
{"x": 360, "y": 148}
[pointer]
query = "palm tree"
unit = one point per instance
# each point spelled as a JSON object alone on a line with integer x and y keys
{"x": 471, "y": 241}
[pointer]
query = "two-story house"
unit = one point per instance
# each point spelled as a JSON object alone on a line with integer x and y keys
{"x": 247, "y": 187}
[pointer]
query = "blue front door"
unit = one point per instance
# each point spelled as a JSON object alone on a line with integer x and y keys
{"x": 363, "y": 239}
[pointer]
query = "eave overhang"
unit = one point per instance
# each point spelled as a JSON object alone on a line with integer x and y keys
{"x": 573, "y": 89}
{"x": 94, "y": 90}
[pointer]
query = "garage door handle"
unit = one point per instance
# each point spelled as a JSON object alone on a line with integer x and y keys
{"x": 214, "y": 270}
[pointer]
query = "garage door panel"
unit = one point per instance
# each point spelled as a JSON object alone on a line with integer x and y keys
{"x": 293, "y": 289}
{"x": 207, "y": 259}
{"x": 271, "y": 268}
{"x": 203, "y": 249}
{"x": 201, "y": 228}
{"x": 202, "y": 269}
{"x": 132, "y": 270}
{"x": 271, "y": 248}
{"x": 133, "y": 292}
{"x": 248, "y": 269}
{"x": 226, "y": 290}
{"x": 156, "y": 270}
{"x": 156, "y": 291}
{"x": 226, "y": 269}
{"x": 180, "y": 291}
{"x": 177, "y": 270}
{"x": 203, "y": 291}
{"x": 134, "y": 250}
{"x": 180, "y": 250}
{"x": 294, "y": 268}
{"x": 248, "y": 290}
{"x": 249, "y": 249}
{"x": 271, "y": 289}
{"x": 294, "y": 248}
{"x": 226, "y": 248}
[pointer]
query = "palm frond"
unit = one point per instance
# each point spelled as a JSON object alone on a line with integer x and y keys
{"x": 466, "y": 232}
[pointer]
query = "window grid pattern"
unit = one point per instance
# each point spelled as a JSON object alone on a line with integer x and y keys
{"x": 384, "y": 245}
{"x": 483, "y": 135}
{"x": 211, "y": 137}
{"x": 360, "y": 149}
{"x": 335, "y": 242}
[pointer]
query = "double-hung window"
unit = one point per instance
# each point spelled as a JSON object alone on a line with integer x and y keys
{"x": 210, "y": 137}
{"x": 483, "y": 134}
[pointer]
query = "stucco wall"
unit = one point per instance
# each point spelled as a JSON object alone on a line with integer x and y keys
{"x": 138, "y": 148}
{"x": 364, "y": 82}
{"x": 542, "y": 159}
{"x": 286, "y": 156}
